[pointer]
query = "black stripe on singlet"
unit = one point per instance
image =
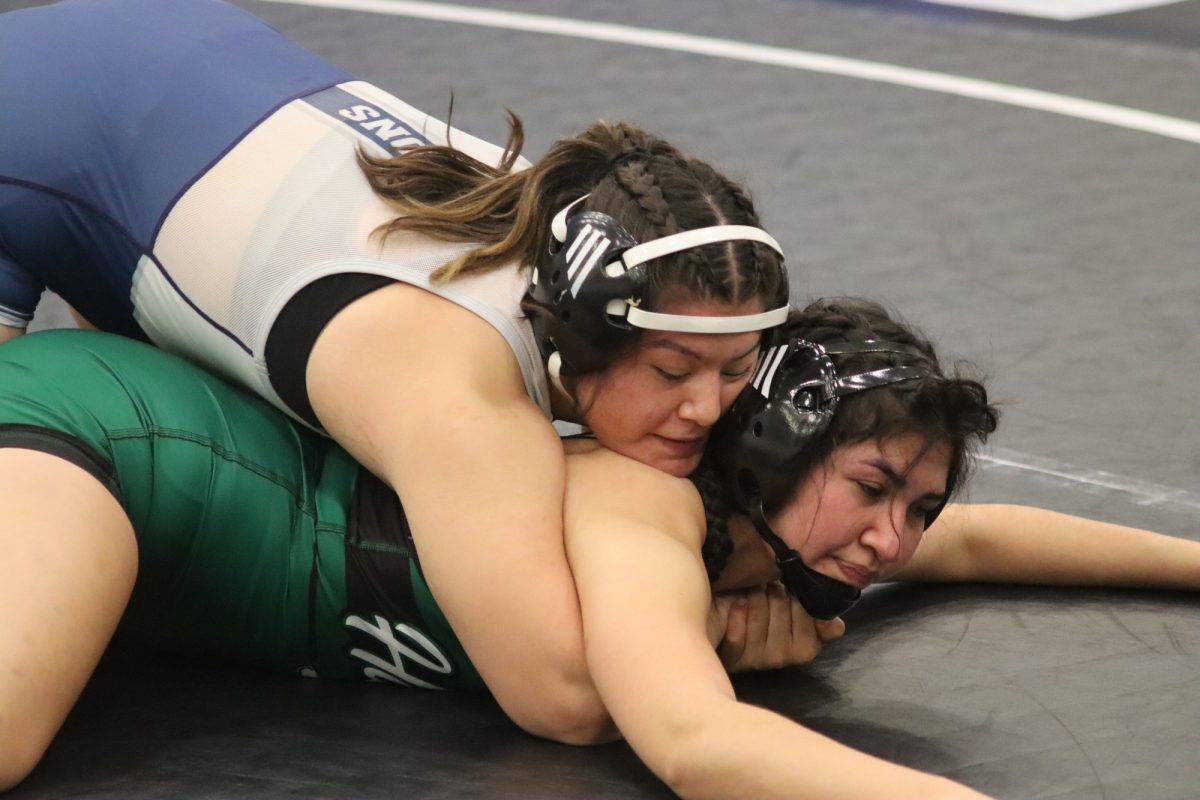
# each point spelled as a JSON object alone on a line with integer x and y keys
{"x": 379, "y": 553}
{"x": 64, "y": 446}
{"x": 297, "y": 327}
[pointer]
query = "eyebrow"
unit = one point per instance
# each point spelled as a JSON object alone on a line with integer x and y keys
{"x": 671, "y": 344}
{"x": 900, "y": 481}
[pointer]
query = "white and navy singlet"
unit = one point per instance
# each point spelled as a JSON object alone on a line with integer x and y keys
{"x": 179, "y": 171}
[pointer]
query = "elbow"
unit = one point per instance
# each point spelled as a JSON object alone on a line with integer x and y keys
{"x": 684, "y": 773}
{"x": 571, "y": 715}
{"x": 695, "y": 763}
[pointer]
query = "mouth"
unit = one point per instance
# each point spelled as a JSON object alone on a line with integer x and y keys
{"x": 677, "y": 457}
{"x": 853, "y": 574}
{"x": 682, "y": 446}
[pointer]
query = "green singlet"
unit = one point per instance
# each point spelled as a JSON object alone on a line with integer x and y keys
{"x": 258, "y": 540}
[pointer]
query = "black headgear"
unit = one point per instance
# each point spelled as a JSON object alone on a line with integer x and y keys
{"x": 594, "y": 284}
{"x": 763, "y": 442}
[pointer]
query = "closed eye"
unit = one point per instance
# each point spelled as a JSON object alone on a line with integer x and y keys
{"x": 737, "y": 375}
{"x": 870, "y": 490}
{"x": 670, "y": 376}
{"x": 921, "y": 510}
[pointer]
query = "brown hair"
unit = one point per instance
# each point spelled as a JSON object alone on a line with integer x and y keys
{"x": 641, "y": 180}
{"x": 943, "y": 406}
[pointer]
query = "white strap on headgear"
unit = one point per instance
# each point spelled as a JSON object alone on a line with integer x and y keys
{"x": 554, "y": 371}
{"x": 681, "y": 323}
{"x": 558, "y": 225}
{"x": 686, "y": 240}
{"x": 674, "y": 243}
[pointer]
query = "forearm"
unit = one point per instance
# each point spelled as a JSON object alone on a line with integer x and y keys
{"x": 1020, "y": 544}
{"x": 744, "y": 751}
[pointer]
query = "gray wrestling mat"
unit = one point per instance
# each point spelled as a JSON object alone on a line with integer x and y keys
{"x": 1027, "y": 189}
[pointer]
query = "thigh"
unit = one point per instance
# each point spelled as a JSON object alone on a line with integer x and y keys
{"x": 67, "y": 565}
{"x": 225, "y": 495}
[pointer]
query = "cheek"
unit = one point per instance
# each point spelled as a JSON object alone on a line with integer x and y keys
{"x": 795, "y": 522}
{"x": 833, "y": 525}
{"x": 622, "y": 407}
{"x": 730, "y": 392}
{"x": 910, "y": 545}
{"x": 642, "y": 398}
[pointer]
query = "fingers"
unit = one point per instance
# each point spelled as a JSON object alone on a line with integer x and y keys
{"x": 765, "y": 628}
{"x": 732, "y": 647}
{"x": 830, "y": 629}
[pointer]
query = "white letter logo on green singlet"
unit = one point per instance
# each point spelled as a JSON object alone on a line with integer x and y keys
{"x": 417, "y": 648}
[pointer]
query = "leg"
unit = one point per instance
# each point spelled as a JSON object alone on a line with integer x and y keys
{"x": 68, "y": 566}
{"x": 81, "y": 321}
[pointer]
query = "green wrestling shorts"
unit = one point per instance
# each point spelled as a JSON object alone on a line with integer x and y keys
{"x": 258, "y": 540}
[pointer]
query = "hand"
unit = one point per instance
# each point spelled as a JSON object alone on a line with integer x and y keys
{"x": 765, "y": 628}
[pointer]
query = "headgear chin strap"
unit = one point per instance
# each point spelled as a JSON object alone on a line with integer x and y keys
{"x": 765, "y": 437}
{"x": 823, "y": 597}
{"x": 596, "y": 280}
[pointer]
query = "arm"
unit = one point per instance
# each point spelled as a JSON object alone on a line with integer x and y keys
{"x": 8, "y": 332}
{"x": 1018, "y": 544}
{"x": 445, "y": 420}
{"x": 633, "y": 539}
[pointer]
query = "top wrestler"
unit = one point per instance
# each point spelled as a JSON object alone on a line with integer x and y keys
{"x": 209, "y": 186}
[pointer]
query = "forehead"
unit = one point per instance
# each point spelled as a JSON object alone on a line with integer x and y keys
{"x": 677, "y": 300}
{"x": 909, "y": 455}
{"x": 704, "y": 346}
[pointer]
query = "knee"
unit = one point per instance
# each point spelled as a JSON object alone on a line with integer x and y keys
{"x": 18, "y": 757}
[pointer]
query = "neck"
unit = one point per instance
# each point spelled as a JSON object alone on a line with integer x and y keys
{"x": 752, "y": 562}
{"x": 562, "y": 403}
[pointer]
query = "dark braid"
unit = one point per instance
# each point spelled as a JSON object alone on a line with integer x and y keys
{"x": 637, "y": 178}
{"x": 718, "y": 544}
{"x": 749, "y": 253}
{"x": 653, "y": 190}
{"x": 640, "y": 184}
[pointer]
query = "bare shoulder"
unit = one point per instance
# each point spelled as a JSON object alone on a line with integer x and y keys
{"x": 402, "y": 331}
{"x": 600, "y": 481}
{"x": 591, "y": 461}
{"x": 401, "y": 370}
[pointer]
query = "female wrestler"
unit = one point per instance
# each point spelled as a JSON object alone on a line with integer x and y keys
{"x": 851, "y": 448}
{"x": 256, "y": 539}
{"x": 362, "y": 266}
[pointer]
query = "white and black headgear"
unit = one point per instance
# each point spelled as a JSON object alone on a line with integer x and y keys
{"x": 592, "y": 289}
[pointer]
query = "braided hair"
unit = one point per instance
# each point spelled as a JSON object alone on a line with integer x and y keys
{"x": 639, "y": 179}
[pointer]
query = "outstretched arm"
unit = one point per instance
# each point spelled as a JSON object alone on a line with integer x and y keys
{"x": 1020, "y": 544}
{"x": 633, "y": 539}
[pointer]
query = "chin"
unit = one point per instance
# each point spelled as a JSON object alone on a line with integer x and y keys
{"x": 679, "y": 467}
